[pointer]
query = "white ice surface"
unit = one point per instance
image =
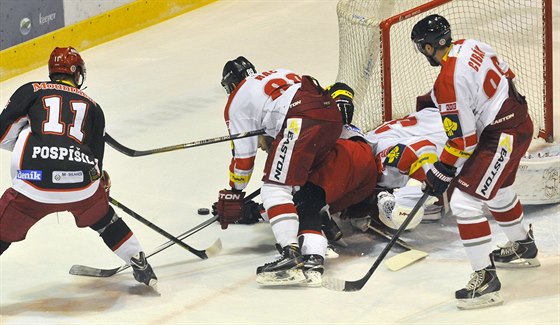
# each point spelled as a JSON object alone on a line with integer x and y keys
{"x": 159, "y": 87}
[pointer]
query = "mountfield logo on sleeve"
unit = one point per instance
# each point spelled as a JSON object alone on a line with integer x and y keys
{"x": 394, "y": 155}
{"x": 30, "y": 175}
{"x": 451, "y": 126}
{"x": 496, "y": 168}
{"x": 283, "y": 154}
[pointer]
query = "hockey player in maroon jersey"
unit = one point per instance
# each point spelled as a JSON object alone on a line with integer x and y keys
{"x": 346, "y": 176}
{"x": 489, "y": 130}
{"x": 305, "y": 124}
{"x": 55, "y": 132}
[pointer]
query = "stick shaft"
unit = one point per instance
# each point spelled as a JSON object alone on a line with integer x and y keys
{"x": 359, "y": 284}
{"x": 137, "y": 153}
{"x": 157, "y": 229}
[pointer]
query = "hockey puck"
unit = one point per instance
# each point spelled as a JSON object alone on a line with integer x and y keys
{"x": 203, "y": 211}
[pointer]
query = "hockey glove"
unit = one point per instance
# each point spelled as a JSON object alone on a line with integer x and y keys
{"x": 438, "y": 178}
{"x": 251, "y": 212}
{"x": 343, "y": 96}
{"x": 229, "y": 207}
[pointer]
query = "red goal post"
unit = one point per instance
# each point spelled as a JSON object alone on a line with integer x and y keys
{"x": 377, "y": 57}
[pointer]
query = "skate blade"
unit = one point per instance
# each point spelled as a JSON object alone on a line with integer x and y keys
{"x": 519, "y": 264}
{"x": 314, "y": 279}
{"x": 153, "y": 283}
{"x": 487, "y": 300}
{"x": 281, "y": 278}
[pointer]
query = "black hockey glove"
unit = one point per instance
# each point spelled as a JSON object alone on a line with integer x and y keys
{"x": 251, "y": 213}
{"x": 343, "y": 96}
{"x": 438, "y": 178}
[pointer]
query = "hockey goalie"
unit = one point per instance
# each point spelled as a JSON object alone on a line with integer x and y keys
{"x": 404, "y": 150}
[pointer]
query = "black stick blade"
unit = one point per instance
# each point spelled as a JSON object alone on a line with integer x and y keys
{"x": 95, "y": 272}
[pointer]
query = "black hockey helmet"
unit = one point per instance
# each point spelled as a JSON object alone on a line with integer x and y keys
{"x": 236, "y": 71}
{"x": 434, "y": 30}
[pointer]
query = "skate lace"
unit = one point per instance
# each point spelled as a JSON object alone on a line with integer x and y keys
{"x": 476, "y": 280}
{"x": 509, "y": 249}
{"x": 275, "y": 261}
{"x": 285, "y": 255}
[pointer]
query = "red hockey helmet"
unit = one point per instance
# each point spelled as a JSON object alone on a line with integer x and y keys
{"x": 68, "y": 61}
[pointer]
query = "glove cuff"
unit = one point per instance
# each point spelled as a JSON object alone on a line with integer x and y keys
{"x": 444, "y": 172}
{"x": 340, "y": 90}
{"x": 445, "y": 168}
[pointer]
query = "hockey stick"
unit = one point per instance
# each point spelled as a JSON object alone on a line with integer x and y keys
{"x": 387, "y": 235}
{"x": 401, "y": 260}
{"x": 252, "y": 195}
{"x": 92, "y": 271}
{"x": 199, "y": 253}
{"x": 341, "y": 285}
{"x": 137, "y": 153}
{"x": 215, "y": 248}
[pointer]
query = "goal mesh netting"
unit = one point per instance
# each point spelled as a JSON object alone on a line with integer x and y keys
{"x": 514, "y": 28}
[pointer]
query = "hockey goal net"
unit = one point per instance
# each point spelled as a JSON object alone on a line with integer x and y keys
{"x": 377, "y": 57}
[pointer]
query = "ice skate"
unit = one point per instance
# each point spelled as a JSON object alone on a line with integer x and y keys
{"x": 142, "y": 270}
{"x": 287, "y": 270}
{"x": 313, "y": 269}
{"x": 483, "y": 290}
{"x": 518, "y": 254}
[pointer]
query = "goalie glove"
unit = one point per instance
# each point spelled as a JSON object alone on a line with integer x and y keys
{"x": 343, "y": 95}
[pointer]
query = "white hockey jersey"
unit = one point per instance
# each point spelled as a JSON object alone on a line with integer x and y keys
{"x": 405, "y": 146}
{"x": 469, "y": 91}
{"x": 261, "y": 101}
{"x": 405, "y": 150}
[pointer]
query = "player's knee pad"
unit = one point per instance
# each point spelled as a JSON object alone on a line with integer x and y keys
{"x": 109, "y": 218}
{"x": 112, "y": 229}
{"x": 115, "y": 234}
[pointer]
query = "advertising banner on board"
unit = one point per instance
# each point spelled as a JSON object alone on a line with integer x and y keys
{"x": 21, "y": 21}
